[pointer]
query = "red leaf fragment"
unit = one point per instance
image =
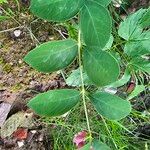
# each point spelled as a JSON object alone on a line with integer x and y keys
{"x": 21, "y": 134}
{"x": 130, "y": 87}
{"x": 79, "y": 139}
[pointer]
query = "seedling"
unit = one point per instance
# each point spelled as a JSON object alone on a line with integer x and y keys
{"x": 96, "y": 63}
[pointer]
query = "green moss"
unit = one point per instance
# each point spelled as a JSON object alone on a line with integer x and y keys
{"x": 7, "y": 68}
{"x": 16, "y": 87}
{"x": 1, "y": 85}
{"x": 1, "y": 61}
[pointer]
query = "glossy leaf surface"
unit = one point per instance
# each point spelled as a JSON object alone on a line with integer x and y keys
{"x": 130, "y": 28}
{"x": 95, "y": 24}
{"x": 52, "y": 56}
{"x": 141, "y": 64}
{"x": 109, "y": 43}
{"x": 110, "y": 106}
{"x": 101, "y": 68}
{"x": 56, "y": 10}
{"x": 102, "y": 2}
{"x": 54, "y": 103}
{"x": 124, "y": 79}
{"x": 139, "y": 46}
{"x": 145, "y": 21}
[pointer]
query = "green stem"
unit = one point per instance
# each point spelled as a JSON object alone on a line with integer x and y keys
{"x": 82, "y": 86}
{"x": 18, "y": 5}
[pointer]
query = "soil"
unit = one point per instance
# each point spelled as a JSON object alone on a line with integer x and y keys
{"x": 39, "y": 140}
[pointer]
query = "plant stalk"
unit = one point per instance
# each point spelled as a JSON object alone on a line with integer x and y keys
{"x": 82, "y": 85}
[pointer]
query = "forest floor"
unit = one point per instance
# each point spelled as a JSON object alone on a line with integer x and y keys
{"x": 20, "y": 33}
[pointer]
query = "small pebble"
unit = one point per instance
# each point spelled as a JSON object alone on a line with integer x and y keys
{"x": 117, "y": 3}
{"x": 33, "y": 131}
{"x": 20, "y": 143}
{"x": 17, "y": 33}
{"x": 20, "y": 61}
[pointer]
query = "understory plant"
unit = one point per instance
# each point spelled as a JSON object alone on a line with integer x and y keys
{"x": 98, "y": 65}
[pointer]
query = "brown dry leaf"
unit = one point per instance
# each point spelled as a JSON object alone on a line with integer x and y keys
{"x": 7, "y": 97}
{"x": 19, "y": 119}
{"x": 4, "y": 110}
{"x": 11, "y": 124}
{"x": 27, "y": 120}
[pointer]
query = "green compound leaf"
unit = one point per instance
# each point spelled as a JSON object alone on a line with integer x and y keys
{"x": 56, "y": 10}
{"x": 145, "y": 21}
{"x": 55, "y": 102}
{"x": 130, "y": 28}
{"x": 101, "y": 68}
{"x": 139, "y": 46}
{"x": 95, "y": 145}
{"x": 110, "y": 106}
{"x": 95, "y": 24}
{"x": 52, "y": 56}
{"x": 102, "y": 2}
{"x": 141, "y": 64}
